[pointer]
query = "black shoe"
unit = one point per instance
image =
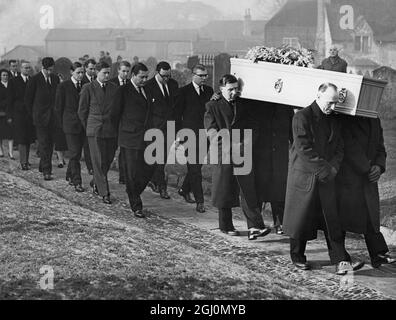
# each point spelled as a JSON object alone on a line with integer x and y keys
{"x": 106, "y": 200}
{"x": 279, "y": 231}
{"x": 343, "y": 267}
{"x": 164, "y": 195}
{"x": 25, "y": 167}
{"x": 139, "y": 214}
{"x": 186, "y": 196}
{"x": 79, "y": 188}
{"x": 121, "y": 181}
{"x": 60, "y": 165}
{"x": 47, "y": 177}
{"x": 302, "y": 265}
{"x": 90, "y": 172}
{"x": 382, "y": 259}
{"x": 200, "y": 208}
{"x": 254, "y": 234}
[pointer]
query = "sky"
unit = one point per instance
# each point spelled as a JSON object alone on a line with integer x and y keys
{"x": 21, "y": 21}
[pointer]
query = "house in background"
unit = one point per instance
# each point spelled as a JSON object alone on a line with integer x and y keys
{"x": 29, "y": 53}
{"x": 317, "y": 24}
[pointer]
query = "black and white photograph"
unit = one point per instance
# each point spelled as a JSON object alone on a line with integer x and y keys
{"x": 198, "y": 155}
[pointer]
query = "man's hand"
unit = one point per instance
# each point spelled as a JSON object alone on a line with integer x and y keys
{"x": 374, "y": 174}
{"x": 216, "y": 96}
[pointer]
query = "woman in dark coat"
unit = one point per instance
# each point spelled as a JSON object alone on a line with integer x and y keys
{"x": 357, "y": 184}
{"x": 228, "y": 181}
{"x": 5, "y": 117}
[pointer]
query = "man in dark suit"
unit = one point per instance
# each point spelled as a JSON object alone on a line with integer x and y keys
{"x": 24, "y": 131}
{"x": 163, "y": 89}
{"x": 132, "y": 112}
{"x": 124, "y": 69}
{"x": 334, "y": 62}
{"x": 40, "y": 103}
{"x": 89, "y": 76}
{"x": 357, "y": 184}
{"x": 66, "y": 107}
{"x": 189, "y": 114}
{"x": 94, "y": 112}
{"x": 14, "y": 68}
{"x": 311, "y": 203}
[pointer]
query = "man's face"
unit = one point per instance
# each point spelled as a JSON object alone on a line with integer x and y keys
{"x": 26, "y": 69}
{"x": 4, "y": 76}
{"x": 333, "y": 52}
{"x": 327, "y": 100}
{"x": 230, "y": 91}
{"x": 78, "y": 74}
{"x": 48, "y": 71}
{"x": 199, "y": 77}
{"x": 123, "y": 72}
{"x": 13, "y": 67}
{"x": 164, "y": 75}
{"x": 140, "y": 79}
{"x": 90, "y": 70}
{"x": 104, "y": 75}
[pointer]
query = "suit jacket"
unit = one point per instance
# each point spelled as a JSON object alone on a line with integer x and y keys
{"x": 66, "y": 108}
{"x": 94, "y": 110}
{"x": 163, "y": 110}
{"x": 133, "y": 116}
{"x": 318, "y": 146}
{"x": 40, "y": 99}
{"x": 116, "y": 81}
{"x": 190, "y": 107}
{"x": 4, "y": 101}
{"x": 85, "y": 79}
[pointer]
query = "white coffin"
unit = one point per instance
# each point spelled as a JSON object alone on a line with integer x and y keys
{"x": 296, "y": 86}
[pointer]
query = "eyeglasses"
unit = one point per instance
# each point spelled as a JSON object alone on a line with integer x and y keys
{"x": 202, "y": 75}
{"x": 165, "y": 76}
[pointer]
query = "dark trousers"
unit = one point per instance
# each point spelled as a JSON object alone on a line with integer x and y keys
{"x": 75, "y": 144}
{"x": 87, "y": 155}
{"x": 102, "y": 156}
{"x": 121, "y": 166}
{"x": 24, "y": 151}
{"x": 336, "y": 250}
{"x": 225, "y": 219}
{"x": 46, "y": 140}
{"x": 159, "y": 177}
{"x": 138, "y": 173}
{"x": 193, "y": 182}
{"x": 278, "y": 209}
{"x": 253, "y": 215}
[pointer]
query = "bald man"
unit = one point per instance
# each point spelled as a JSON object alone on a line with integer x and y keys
{"x": 334, "y": 62}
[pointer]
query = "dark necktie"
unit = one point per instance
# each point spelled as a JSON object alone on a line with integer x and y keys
{"x": 166, "y": 94}
{"x": 104, "y": 87}
{"x": 48, "y": 83}
{"x": 141, "y": 92}
{"x": 201, "y": 91}
{"x": 123, "y": 82}
{"x": 79, "y": 86}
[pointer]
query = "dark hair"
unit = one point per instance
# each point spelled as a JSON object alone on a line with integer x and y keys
{"x": 139, "y": 67}
{"x": 48, "y": 62}
{"x": 163, "y": 65}
{"x": 4, "y": 70}
{"x": 324, "y": 86}
{"x": 199, "y": 67}
{"x": 226, "y": 79}
{"x": 11, "y": 61}
{"x": 101, "y": 65}
{"x": 89, "y": 61}
{"x": 75, "y": 65}
{"x": 124, "y": 64}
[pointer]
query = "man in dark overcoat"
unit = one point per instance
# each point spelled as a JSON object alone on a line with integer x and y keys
{"x": 222, "y": 116}
{"x": 311, "y": 203}
{"x": 334, "y": 62}
{"x": 357, "y": 184}
{"x": 24, "y": 131}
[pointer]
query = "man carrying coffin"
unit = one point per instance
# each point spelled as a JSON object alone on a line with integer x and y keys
{"x": 311, "y": 203}
{"x": 357, "y": 184}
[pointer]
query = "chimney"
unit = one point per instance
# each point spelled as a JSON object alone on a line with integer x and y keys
{"x": 320, "y": 32}
{"x": 247, "y": 24}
